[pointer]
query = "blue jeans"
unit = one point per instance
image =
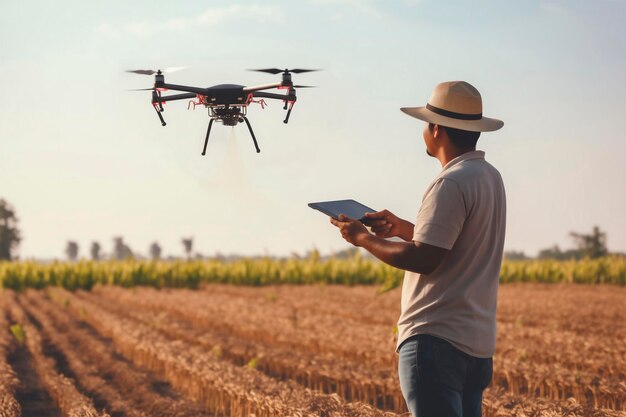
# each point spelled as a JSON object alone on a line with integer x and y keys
{"x": 439, "y": 380}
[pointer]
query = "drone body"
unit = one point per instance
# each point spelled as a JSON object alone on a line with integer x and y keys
{"x": 226, "y": 103}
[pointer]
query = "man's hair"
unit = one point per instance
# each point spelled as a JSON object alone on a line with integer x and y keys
{"x": 459, "y": 138}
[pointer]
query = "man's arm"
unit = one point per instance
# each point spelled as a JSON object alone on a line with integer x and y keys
{"x": 409, "y": 256}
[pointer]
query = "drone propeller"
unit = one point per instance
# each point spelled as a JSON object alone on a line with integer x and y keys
{"x": 151, "y": 72}
{"x": 285, "y": 71}
{"x": 304, "y": 86}
{"x": 141, "y": 89}
{"x": 298, "y": 71}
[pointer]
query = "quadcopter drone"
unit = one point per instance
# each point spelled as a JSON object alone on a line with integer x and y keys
{"x": 227, "y": 103}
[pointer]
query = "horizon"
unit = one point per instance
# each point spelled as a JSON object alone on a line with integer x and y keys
{"x": 84, "y": 255}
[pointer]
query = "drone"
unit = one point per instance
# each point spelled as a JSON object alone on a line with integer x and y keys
{"x": 226, "y": 103}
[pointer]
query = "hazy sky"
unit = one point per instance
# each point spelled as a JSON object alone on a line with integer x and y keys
{"x": 83, "y": 159}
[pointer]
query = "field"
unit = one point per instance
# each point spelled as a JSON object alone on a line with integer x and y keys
{"x": 286, "y": 350}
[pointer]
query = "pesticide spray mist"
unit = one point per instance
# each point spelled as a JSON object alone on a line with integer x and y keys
{"x": 231, "y": 172}
{"x": 231, "y": 178}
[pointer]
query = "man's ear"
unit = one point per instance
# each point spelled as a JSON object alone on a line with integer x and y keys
{"x": 436, "y": 132}
{"x": 439, "y": 132}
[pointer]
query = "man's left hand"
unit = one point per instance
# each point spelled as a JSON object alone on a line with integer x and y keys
{"x": 352, "y": 230}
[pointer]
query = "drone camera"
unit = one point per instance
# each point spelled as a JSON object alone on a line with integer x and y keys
{"x": 229, "y": 116}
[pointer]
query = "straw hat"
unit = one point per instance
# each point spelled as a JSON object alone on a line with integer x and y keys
{"x": 455, "y": 104}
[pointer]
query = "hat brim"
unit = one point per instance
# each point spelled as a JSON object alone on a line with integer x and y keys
{"x": 484, "y": 124}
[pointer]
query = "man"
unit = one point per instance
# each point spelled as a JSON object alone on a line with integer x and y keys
{"x": 452, "y": 257}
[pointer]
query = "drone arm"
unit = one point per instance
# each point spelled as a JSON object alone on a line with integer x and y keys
{"x": 195, "y": 90}
{"x": 276, "y": 96}
{"x": 289, "y": 100}
{"x": 262, "y": 87}
{"x": 173, "y": 97}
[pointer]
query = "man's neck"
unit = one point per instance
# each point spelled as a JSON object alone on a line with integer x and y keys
{"x": 446, "y": 155}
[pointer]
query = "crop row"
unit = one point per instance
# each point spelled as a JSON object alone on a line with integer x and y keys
{"x": 9, "y": 407}
{"x": 316, "y": 320}
{"x": 83, "y": 371}
{"x": 269, "y": 324}
{"x": 498, "y": 403}
{"x": 91, "y": 359}
{"x": 326, "y": 373}
{"x": 266, "y": 326}
{"x": 356, "y": 270}
{"x": 218, "y": 384}
{"x": 110, "y": 344}
{"x": 63, "y": 390}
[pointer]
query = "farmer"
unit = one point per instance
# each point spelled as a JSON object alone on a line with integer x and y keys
{"x": 451, "y": 257}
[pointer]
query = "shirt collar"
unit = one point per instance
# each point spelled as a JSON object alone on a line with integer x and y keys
{"x": 464, "y": 157}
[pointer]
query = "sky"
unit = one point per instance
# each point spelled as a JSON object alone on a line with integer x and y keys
{"x": 83, "y": 159}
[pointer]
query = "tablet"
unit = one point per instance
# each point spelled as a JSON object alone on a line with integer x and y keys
{"x": 350, "y": 208}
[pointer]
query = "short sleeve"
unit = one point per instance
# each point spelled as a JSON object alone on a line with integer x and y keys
{"x": 441, "y": 217}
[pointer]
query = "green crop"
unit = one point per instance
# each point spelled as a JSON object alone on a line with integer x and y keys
{"x": 256, "y": 272}
{"x": 18, "y": 333}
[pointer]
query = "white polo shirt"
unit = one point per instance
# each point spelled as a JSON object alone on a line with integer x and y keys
{"x": 463, "y": 210}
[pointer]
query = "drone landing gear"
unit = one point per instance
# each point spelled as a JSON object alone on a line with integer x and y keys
{"x": 256, "y": 145}
{"x": 288, "y": 111}
{"x": 208, "y": 132}
{"x": 206, "y": 140}
{"x": 156, "y": 108}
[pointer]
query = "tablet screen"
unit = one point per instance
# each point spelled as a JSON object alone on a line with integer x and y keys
{"x": 350, "y": 208}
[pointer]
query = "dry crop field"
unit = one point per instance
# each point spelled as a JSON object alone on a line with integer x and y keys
{"x": 315, "y": 350}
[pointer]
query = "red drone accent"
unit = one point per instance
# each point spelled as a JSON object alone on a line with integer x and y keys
{"x": 201, "y": 101}
{"x": 251, "y": 99}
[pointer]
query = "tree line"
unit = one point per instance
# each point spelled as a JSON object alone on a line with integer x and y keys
{"x": 122, "y": 251}
{"x": 592, "y": 246}
{"x": 10, "y": 238}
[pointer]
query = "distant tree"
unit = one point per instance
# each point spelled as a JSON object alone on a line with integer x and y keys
{"x": 120, "y": 250}
{"x": 515, "y": 255}
{"x": 550, "y": 253}
{"x": 556, "y": 253}
{"x": 71, "y": 250}
{"x": 95, "y": 251}
{"x": 9, "y": 233}
{"x": 155, "y": 251}
{"x": 188, "y": 246}
{"x": 592, "y": 245}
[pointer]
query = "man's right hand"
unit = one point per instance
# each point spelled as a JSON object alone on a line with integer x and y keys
{"x": 386, "y": 224}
